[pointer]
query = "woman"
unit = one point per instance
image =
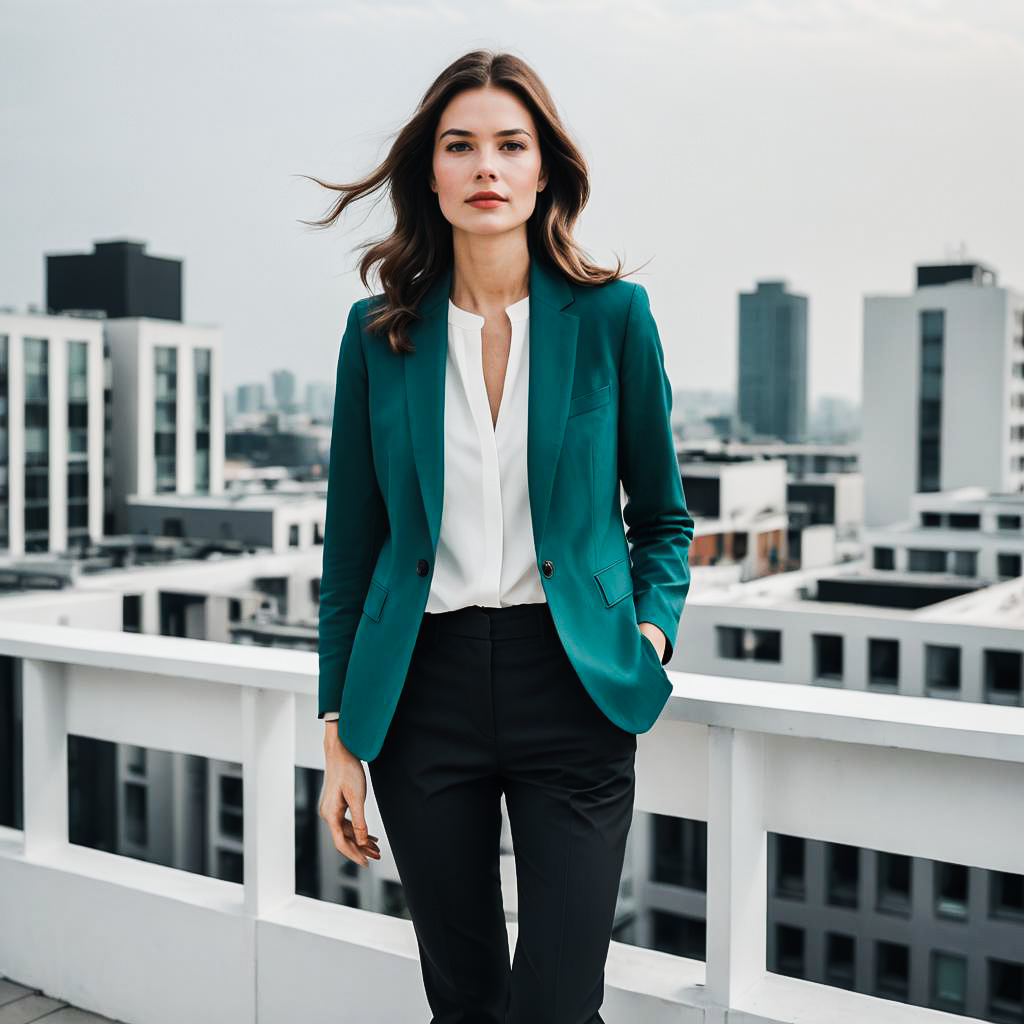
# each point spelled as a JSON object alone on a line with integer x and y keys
{"x": 484, "y": 627}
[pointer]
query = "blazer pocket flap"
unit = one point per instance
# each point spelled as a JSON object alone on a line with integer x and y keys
{"x": 615, "y": 581}
{"x": 375, "y": 598}
{"x": 590, "y": 400}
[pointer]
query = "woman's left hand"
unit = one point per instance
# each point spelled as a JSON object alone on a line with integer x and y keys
{"x": 655, "y": 635}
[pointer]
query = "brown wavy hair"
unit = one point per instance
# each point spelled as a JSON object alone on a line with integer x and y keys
{"x": 420, "y": 246}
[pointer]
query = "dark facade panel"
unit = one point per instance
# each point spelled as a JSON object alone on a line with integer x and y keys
{"x": 118, "y": 277}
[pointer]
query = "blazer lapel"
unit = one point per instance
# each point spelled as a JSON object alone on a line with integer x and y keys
{"x": 552, "y": 356}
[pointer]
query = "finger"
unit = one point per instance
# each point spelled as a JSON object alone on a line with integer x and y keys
{"x": 368, "y": 847}
{"x": 342, "y": 843}
{"x": 359, "y": 822}
{"x": 341, "y": 830}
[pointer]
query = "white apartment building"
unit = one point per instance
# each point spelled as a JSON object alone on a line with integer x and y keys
{"x": 968, "y": 532}
{"x": 167, "y": 410}
{"x": 51, "y": 432}
{"x": 281, "y": 522}
{"x": 943, "y": 388}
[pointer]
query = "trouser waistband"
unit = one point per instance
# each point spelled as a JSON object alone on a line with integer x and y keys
{"x": 484, "y": 623}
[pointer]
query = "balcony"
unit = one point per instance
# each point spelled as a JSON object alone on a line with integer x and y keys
{"x": 148, "y": 944}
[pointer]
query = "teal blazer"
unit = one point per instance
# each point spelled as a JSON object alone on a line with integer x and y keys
{"x": 598, "y": 413}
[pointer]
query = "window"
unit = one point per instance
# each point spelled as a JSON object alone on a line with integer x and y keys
{"x": 892, "y": 970}
{"x": 730, "y": 642}
{"x": 828, "y": 656}
{"x": 1006, "y": 896}
{"x": 883, "y": 662}
{"x": 202, "y": 359}
{"x": 964, "y": 521}
{"x": 165, "y": 418}
{"x": 679, "y": 852}
{"x": 231, "y": 806}
{"x": 293, "y": 535}
{"x": 789, "y": 951}
{"x": 965, "y": 563}
{"x": 135, "y": 759}
{"x": 78, "y": 442}
{"x": 1008, "y": 522}
{"x": 737, "y": 643}
{"x": 37, "y": 444}
{"x": 840, "y": 960}
{"x": 926, "y": 560}
{"x": 790, "y": 866}
{"x": 131, "y": 613}
{"x": 678, "y": 934}
{"x": 136, "y": 813}
{"x": 767, "y": 644}
{"x": 948, "y": 982}
{"x": 931, "y": 519}
{"x": 942, "y": 668}
{"x": 894, "y": 876}
{"x": 929, "y": 408}
{"x": 951, "y": 882}
{"x": 230, "y": 866}
{"x": 884, "y": 558}
{"x": 842, "y": 866}
{"x": 393, "y": 899}
{"x": 1007, "y": 565}
{"x": 1002, "y": 677}
{"x": 173, "y": 526}
{"x": 1005, "y": 991}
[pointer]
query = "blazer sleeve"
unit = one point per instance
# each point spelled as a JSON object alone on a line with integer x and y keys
{"x": 658, "y": 527}
{"x": 356, "y": 518}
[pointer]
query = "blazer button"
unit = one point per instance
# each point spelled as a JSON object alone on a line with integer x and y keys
{"x": 548, "y": 567}
{"x": 421, "y": 567}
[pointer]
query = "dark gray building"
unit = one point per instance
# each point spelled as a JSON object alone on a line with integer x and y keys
{"x": 118, "y": 277}
{"x": 771, "y": 394}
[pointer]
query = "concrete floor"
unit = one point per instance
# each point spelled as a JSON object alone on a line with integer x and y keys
{"x": 21, "y": 1005}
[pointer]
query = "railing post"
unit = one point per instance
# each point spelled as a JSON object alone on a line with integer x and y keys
{"x": 268, "y": 798}
{"x": 45, "y": 756}
{"x": 737, "y": 900}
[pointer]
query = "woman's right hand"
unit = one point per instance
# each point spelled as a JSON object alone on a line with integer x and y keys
{"x": 345, "y": 789}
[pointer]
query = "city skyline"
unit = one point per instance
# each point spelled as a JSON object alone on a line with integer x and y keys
{"x": 835, "y": 146}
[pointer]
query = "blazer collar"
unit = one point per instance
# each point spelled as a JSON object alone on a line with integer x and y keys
{"x": 552, "y": 356}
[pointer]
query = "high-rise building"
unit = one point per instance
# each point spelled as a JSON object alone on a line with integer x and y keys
{"x": 250, "y": 398}
{"x": 319, "y": 399}
{"x": 943, "y": 388}
{"x": 772, "y": 366}
{"x": 51, "y": 432}
{"x": 283, "y": 383}
{"x": 167, "y": 412}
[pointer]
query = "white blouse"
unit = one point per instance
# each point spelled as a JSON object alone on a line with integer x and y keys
{"x": 485, "y": 552}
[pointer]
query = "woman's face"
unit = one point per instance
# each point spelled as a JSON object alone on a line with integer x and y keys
{"x": 486, "y": 141}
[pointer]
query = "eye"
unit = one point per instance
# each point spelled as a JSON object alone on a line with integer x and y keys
{"x": 450, "y": 148}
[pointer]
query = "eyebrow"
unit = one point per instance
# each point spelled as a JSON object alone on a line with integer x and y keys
{"x": 468, "y": 134}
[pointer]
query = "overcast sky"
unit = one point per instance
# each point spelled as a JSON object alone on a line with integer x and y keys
{"x": 830, "y": 143}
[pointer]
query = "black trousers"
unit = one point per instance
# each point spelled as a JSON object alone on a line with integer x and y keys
{"x": 492, "y": 705}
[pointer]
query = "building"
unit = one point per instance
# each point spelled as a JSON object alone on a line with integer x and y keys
{"x": 771, "y": 393}
{"x": 118, "y": 278}
{"x": 167, "y": 410}
{"x": 251, "y": 398}
{"x": 52, "y": 408}
{"x": 943, "y": 388}
{"x": 964, "y": 533}
{"x": 283, "y": 384}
